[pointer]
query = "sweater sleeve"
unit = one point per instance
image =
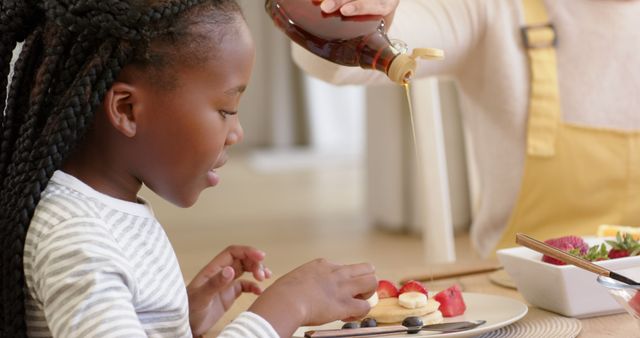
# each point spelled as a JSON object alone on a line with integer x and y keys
{"x": 455, "y": 26}
{"x": 248, "y": 325}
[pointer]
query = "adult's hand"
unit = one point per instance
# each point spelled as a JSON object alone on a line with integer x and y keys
{"x": 385, "y": 8}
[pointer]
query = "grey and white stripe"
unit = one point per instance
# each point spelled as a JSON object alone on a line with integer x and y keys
{"x": 100, "y": 267}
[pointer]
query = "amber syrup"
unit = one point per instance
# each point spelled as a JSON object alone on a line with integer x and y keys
{"x": 407, "y": 91}
{"x": 349, "y": 41}
{"x": 419, "y": 164}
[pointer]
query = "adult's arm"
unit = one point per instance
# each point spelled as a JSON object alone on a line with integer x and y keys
{"x": 455, "y": 26}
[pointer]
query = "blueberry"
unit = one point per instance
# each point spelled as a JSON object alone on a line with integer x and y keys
{"x": 368, "y": 322}
{"x": 351, "y": 325}
{"x": 413, "y": 324}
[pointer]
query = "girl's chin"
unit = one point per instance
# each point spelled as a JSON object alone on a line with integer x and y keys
{"x": 213, "y": 178}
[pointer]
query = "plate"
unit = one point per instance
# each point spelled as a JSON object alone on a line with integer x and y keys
{"x": 498, "y": 311}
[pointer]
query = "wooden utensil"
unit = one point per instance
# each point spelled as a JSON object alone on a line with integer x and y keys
{"x": 460, "y": 269}
{"x": 548, "y": 250}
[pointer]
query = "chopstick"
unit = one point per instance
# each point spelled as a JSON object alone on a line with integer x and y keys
{"x": 455, "y": 274}
{"x": 548, "y": 250}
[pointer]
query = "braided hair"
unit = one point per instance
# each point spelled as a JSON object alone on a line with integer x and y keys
{"x": 72, "y": 52}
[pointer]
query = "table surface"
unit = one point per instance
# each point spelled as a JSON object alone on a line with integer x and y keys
{"x": 619, "y": 325}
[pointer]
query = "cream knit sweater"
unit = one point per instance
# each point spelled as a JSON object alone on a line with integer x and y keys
{"x": 598, "y": 69}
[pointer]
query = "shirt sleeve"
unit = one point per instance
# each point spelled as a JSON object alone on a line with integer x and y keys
{"x": 249, "y": 325}
{"x": 455, "y": 26}
{"x": 84, "y": 282}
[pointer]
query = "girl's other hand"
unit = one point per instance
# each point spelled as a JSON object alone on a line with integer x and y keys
{"x": 216, "y": 287}
{"x": 385, "y": 8}
{"x": 316, "y": 293}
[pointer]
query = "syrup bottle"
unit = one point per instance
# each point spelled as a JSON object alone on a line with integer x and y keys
{"x": 348, "y": 41}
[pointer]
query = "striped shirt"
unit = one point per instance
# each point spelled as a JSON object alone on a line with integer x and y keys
{"x": 96, "y": 266}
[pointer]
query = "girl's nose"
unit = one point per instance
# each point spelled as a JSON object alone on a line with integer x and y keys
{"x": 236, "y": 135}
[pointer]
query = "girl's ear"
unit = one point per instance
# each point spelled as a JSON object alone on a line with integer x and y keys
{"x": 118, "y": 105}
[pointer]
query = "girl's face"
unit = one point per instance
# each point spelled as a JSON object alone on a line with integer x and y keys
{"x": 183, "y": 133}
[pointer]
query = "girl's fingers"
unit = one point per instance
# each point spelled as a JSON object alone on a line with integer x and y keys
{"x": 247, "y": 286}
{"x": 362, "y": 286}
{"x": 357, "y": 309}
{"x": 360, "y": 269}
{"x": 217, "y": 283}
{"x": 267, "y": 273}
{"x": 241, "y": 258}
{"x": 238, "y": 287}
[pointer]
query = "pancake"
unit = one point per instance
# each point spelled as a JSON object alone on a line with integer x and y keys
{"x": 388, "y": 311}
{"x": 433, "y": 318}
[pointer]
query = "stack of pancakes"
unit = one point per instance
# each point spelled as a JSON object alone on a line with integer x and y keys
{"x": 388, "y": 311}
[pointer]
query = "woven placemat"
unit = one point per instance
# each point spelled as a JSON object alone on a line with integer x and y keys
{"x": 539, "y": 323}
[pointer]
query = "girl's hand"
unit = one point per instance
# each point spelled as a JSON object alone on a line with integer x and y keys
{"x": 316, "y": 293}
{"x": 385, "y": 8}
{"x": 215, "y": 288}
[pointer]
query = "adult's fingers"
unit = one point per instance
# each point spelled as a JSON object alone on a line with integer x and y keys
{"x": 360, "y": 7}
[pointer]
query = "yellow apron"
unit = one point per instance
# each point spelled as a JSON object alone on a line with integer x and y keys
{"x": 575, "y": 177}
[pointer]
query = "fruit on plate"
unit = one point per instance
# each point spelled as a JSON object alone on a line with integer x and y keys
{"x": 368, "y": 322}
{"x": 608, "y": 230}
{"x": 386, "y": 289}
{"x": 451, "y": 301}
{"x": 412, "y": 299}
{"x": 597, "y": 253}
{"x": 388, "y": 311}
{"x": 350, "y": 325}
{"x": 623, "y": 246}
{"x": 413, "y": 286}
{"x": 634, "y": 303}
{"x": 373, "y": 300}
{"x": 571, "y": 244}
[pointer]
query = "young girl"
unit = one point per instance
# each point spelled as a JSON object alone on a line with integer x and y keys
{"x": 108, "y": 95}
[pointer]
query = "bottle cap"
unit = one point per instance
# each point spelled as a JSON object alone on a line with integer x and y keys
{"x": 428, "y": 53}
{"x": 403, "y": 66}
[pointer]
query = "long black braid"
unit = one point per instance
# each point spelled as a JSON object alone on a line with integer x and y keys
{"x": 72, "y": 52}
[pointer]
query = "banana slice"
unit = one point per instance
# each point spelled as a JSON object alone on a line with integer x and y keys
{"x": 373, "y": 300}
{"x": 412, "y": 300}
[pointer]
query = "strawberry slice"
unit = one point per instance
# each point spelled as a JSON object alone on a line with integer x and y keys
{"x": 386, "y": 289}
{"x": 618, "y": 253}
{"x": 634, "y": 303}
{"x": 623, "y": 246}
{"x": 571, "y": 244}
{"x": 413, "y": 286}
{"x": 451, "y": 302}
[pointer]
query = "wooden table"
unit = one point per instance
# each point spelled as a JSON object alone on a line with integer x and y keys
{"x": 619, "y": 326}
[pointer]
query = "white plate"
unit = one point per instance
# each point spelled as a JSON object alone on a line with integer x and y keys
{"x": 498, "y": 311}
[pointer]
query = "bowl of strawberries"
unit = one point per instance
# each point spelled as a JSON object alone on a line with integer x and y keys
{"x": 565, "y": 289}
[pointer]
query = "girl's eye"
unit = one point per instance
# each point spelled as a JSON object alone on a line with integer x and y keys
{"x": 226, "y": 113}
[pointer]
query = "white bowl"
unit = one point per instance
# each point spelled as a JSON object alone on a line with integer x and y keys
{"x": 564, "y": 289}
